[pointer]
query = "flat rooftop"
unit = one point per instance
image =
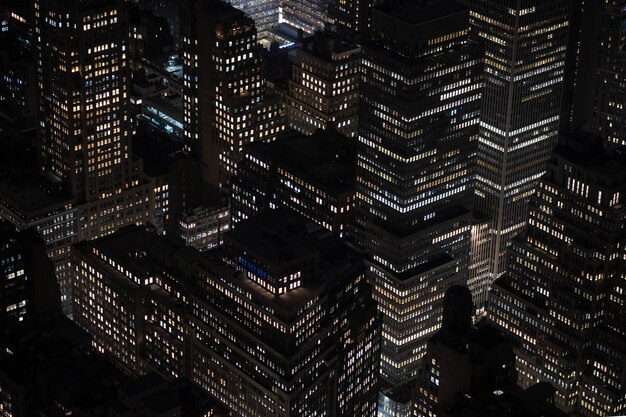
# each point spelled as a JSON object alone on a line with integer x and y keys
{"x": 413, "y": 13}
{"x": 142, "y": 252}
{"x": 325, "y": 159}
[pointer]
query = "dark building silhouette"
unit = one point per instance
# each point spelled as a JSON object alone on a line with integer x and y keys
{"x": 28, "y": 287}
{"x": 48, "y": 368}
{"x": 470, "y": 370}
{"x": 18, "y": 84}
{"x": 461, "y": 359}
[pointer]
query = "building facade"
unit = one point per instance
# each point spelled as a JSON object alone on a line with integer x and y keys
{"x": 524, "y": 44}
{"x": 84, "y": 123}
{"x": 418, "y": 126}
{"x": 278, "y": 323}
{"x": 324, "y": 88}
{"x": 562, "y": 299}
{"x": 225, "y": 106}
{"x": 312, "y": 175}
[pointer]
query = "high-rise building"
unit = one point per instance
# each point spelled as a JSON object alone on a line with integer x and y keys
{"x": 49, "y": 368}
{"x": 462, "y": 360}
{"x": 83, "y": 95}
{"x": 524, "y": 43}
{"x": 313, "y": 175}
{"x": 351, "y": 18}
{"x": 279, "y": 322}
{"x": 169, "y": 9}
{"x": 225, "y": 105}
{"x": 582, "y": 60}
{"x": 324, "y": 88}
{"x": 418, "y": 128}
{"x": 84, "y": 131}
{"x": 562, "y": 299}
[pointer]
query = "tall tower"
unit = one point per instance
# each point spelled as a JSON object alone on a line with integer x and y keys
{"x": 83, "y": 80}
{"x": 224, "y": 97}
{"x": 418, "y": 126}
{"x": 525, "y": 43}
{"x": 562, "y": 299}
{"x": 84, "y": 128}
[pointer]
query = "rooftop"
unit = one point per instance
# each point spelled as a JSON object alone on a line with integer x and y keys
{"x": 325, "y": 158}
{"x": 415, "y": 12}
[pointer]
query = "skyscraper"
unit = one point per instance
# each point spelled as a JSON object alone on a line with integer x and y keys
{"x": 609, "y": 93}
{"x": 418, "y": 125}
{"x": 84, "y": 127}
{"x": 83, "y": 94}
{"x": 225, "y": 104}
{"x": 263, "y": 12}
{"x": 461, "y": 360}
{"x": 524, "y": 43}
{"x": 562, "y": 299}
{"x": 279, "y": 322}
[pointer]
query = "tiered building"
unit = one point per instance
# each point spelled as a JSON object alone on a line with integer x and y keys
{"x": 278, "y": 323}
{"x": 324, "y": 89}
{"x": 562, "y": 299}
{"x": 418, "y": 127}
{"x": 225, "y": 105}
{"x": 83, "y": 140}
{"x": 524, "y": 44}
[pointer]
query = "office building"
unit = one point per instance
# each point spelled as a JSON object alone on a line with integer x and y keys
{"x": 225, "y": 105}
{"x": 470, "y": 370}
{"x": 29, "y": 202}
{"x": 83, "y": 141}
{"x": 263, "y": 12}
{"x": 594, "y": 80}
{"x": 324, "y": 88}
{"x": 351, "y": 18}
{"x": 83, "y": 81}
{"x": 203, "y": 227}
{"x": 308, "y": 16}
{"x": 172, "y": 11}
{"x": 519, "y": 118}
{"x": 48, "y": 368}
{"x": 418, "y": 126}
{"x": 278, "y": 322}
{"x": 562, "y": 300}
{"x": 312, "y": 175}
